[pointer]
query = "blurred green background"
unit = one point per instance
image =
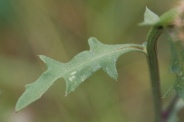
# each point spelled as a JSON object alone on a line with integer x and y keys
{"x": 60, "y": 29}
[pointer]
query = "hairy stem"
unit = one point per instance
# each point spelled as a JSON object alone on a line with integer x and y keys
{"x": 153, "y": 35}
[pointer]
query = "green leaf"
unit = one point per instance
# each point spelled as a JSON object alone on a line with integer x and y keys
{"x": 150, "y": 18}
{"x": 168, "y": 17}
{"x": 78, "y": 69}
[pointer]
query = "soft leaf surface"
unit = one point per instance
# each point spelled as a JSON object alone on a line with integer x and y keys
{"x": 168, "y": 18}
{"x": 150, "y": 18}
{"x": 78, "y": 69}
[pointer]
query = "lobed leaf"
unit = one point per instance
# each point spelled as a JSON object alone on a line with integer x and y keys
{"x": 78, "y": 69}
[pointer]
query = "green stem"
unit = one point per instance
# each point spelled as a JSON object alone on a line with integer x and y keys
{"x": 170, "y": 108}
{"x": 153, "y": 35}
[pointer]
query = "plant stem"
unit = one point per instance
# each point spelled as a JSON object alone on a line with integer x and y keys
{"x": 153, "y": 35}
{"x": 167, "y": 112}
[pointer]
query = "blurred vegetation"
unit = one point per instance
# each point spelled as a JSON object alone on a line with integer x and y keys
{"x": 60, "y": 29}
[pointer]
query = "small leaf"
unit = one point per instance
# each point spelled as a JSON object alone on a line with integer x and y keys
{"x": 168, "y": 17}
{"x": 150, "y": 18}
{"x": 78, "y": 69}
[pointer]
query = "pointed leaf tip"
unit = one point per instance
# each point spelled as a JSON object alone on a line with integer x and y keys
{"x": 45, "y": 59}
{"x": 150, "y": 18}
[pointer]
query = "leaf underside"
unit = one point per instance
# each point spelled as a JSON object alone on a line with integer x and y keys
{"x": 77, "y": 70}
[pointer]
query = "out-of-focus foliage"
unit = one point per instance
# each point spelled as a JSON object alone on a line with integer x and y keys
{"x": 59, "y": 29}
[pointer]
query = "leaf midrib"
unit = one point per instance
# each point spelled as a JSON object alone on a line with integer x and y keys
{"x": 100, "y": 56}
